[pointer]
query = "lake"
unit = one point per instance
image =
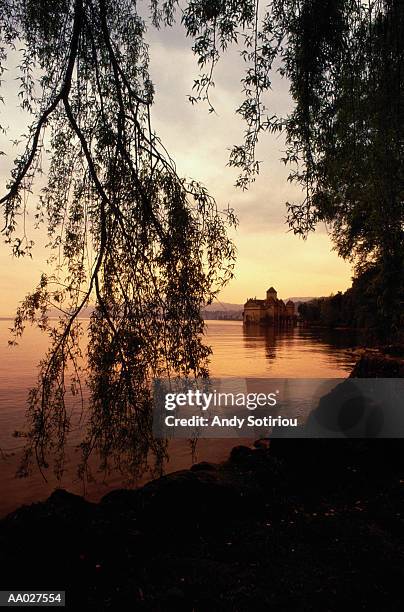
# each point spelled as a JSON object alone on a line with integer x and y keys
{"x": 237, "y": 352}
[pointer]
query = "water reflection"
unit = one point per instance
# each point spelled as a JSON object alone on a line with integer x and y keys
{"x": 255, "y": 336}
{"x": 255, "y": 352}
{"x": 294, "y": 352}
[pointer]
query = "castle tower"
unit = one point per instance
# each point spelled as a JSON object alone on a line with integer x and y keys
{"x": 271, "y": 294}
{"x": 290, "y": 308}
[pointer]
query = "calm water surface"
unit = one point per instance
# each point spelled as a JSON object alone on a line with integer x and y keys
{"x": 288, "y": 353}
{"x": 252, "y": 352}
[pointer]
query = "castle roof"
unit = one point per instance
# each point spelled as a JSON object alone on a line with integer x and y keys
{"x": 289, "y": 302}
{"x": 254, "y": 302}
{"x": 272, "y": 289}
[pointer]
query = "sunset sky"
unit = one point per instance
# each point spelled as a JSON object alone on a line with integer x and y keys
{"x": 198, "y": 141}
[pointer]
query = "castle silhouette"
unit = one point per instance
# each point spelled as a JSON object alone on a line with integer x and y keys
{"x": 270, "y": 311}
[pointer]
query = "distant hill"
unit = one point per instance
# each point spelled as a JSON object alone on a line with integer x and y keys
{"x": 217, "y": 310}
{"x": 216, "y": 306}
{"x": 222, "y": 306}
{"x": 300, "y": 299}
{"x": 84, "y": 314}
{"x": 223, "y": 311}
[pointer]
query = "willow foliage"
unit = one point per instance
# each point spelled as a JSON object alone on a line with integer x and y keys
{"x": 146, "y": 248}
{"x": 344, "y": 61}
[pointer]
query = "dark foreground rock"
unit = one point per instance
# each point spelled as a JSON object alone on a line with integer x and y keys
{"x": 384, "y": 362}
{"x": 303, "y": 525}
{"x": 293, "y": 524}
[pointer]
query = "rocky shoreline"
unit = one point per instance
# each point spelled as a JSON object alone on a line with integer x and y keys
{"x": 383, "y": 362}
{"x": 294, "y": 525}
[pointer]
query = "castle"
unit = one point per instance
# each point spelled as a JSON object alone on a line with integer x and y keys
{"x": 270, "y": 311}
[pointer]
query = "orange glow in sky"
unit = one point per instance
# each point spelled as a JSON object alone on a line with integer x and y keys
{"x": 198, "y": 142}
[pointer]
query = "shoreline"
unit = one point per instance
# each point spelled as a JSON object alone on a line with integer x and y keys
{"x": 268, "y": 527}
{"x": 272, "y": 526}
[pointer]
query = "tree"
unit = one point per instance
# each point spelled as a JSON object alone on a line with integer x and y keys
{"x": 145, "y": 247}
{"x": 344, "y": 136}
{"x": 152, "y": 248}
